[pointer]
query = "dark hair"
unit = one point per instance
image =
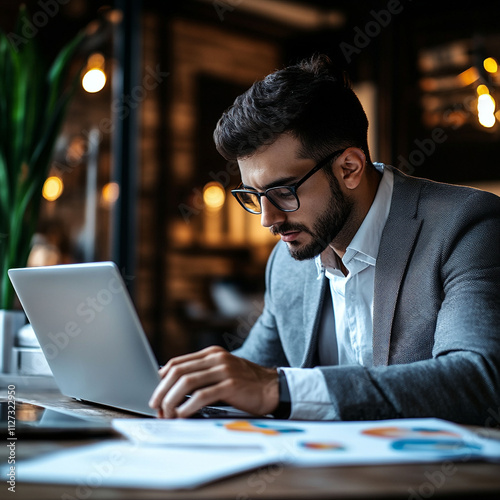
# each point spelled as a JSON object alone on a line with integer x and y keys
{"x": 311, "y": 100}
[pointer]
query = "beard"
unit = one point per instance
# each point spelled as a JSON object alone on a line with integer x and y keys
{"x": 326, "y": 227}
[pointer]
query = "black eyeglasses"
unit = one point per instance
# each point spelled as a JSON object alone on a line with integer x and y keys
{"x": 282, "y": 197}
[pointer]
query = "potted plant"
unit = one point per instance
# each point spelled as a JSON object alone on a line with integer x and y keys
{"x": 33, "y": 100}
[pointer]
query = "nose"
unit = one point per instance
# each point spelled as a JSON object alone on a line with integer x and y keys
{"x": 270, "y": 214}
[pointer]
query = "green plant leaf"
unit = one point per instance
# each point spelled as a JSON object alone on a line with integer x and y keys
{"x": 8, "y": 81}
{"x": 4, "y": 191}
{"x": 33, "y": 103}
{"x": 59, "y": 68}
{"x": 45, "y": 144}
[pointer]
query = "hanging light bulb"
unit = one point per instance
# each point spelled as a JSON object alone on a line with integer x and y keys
{"x": 485, "y": 104}
{"x": 94, "y": 78}
{"x": 482, "y": 89}
{"x": 52, "y": 188}
{"x": 486, "y": 110}
{"x": 214, "y": 196}
{"x": 490, "y": 65}
{"x": 110, "y": 193}
{"x": 487, "y": 120}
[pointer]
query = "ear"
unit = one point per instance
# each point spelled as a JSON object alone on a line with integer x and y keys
{"x": 352, "y": 167}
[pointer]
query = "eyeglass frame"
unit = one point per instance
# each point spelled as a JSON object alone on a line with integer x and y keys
{"x": 293, "y": 188}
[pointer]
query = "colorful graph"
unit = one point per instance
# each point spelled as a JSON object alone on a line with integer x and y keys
{"x": 434, "y": 445}
{"x": 407, "y": 432}
{"x": 321, "y": 446}
{"x": 267, "y": 429}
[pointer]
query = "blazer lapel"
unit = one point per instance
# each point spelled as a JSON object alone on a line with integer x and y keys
{"x": 398, "y": 239}
{"x": 314, "y": 293}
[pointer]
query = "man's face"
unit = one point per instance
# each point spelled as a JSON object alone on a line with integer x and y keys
{"x": 324, "y": 207}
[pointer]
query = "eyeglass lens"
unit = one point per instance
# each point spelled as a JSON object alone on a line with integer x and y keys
{"x": 250, "y": 201}
{"x": 282, "y": 197}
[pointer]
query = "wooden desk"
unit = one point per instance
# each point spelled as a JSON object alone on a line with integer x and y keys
{"x": 413, "y": 482}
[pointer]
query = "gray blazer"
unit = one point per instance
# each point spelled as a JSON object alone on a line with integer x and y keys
{"x": 436, "y": 317}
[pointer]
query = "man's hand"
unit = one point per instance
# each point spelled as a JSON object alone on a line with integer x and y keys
{"x": 211, "y": 375}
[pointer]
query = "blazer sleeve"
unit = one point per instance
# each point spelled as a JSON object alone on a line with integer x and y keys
{"x": 263, "y": 344}
{"x": 461, "y": 380}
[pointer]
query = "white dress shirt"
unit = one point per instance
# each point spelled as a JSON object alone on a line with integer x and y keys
{"x": 345, "y": 338}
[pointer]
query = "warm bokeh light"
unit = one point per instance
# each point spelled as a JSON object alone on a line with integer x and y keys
{"x": 486, "y": 110}
{"x": 94, "y": 80}
{"x": 110, "y": 193}
{"x": 95, "y": 60}
{"x": 52, "y": 188}
{"x": 482, "y": 89}
{"x": 485, "y": 104}
{"x": 76, "y": 149}
{"x": 490, "y": 65}
{"x": 487, "y": 120}
{"x": 214, "y": 195}
{"x": 468, "y": 76}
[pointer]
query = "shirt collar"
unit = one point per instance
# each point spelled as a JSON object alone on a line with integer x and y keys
{"x": 364, "y": 246}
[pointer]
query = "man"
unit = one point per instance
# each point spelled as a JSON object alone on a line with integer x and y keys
{"x": 383, "y": 297}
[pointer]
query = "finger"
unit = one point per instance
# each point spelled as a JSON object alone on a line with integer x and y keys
{"x": 189, "y": 357}
{"x": 256, "y": 395}
{"x": 188, "y": 384}
{"x": 177, "y": 361}
{"x": 211, "y": 357}
{"x": 171, "y": 377}
{"x": 175, "y": 374}
{"x": 201, "y": 398}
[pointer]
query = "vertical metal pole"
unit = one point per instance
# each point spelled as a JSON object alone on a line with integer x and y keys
{"x": 90, "y": 224}
{"x": 125, "y": 165}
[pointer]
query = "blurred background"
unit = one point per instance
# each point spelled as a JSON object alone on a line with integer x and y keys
{"x": 136, "y": 178}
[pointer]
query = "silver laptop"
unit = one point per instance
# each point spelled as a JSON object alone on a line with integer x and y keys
{"x": 91, "y": 335}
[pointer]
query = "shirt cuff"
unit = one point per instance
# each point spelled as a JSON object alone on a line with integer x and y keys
{"x": 309, "y": 395}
